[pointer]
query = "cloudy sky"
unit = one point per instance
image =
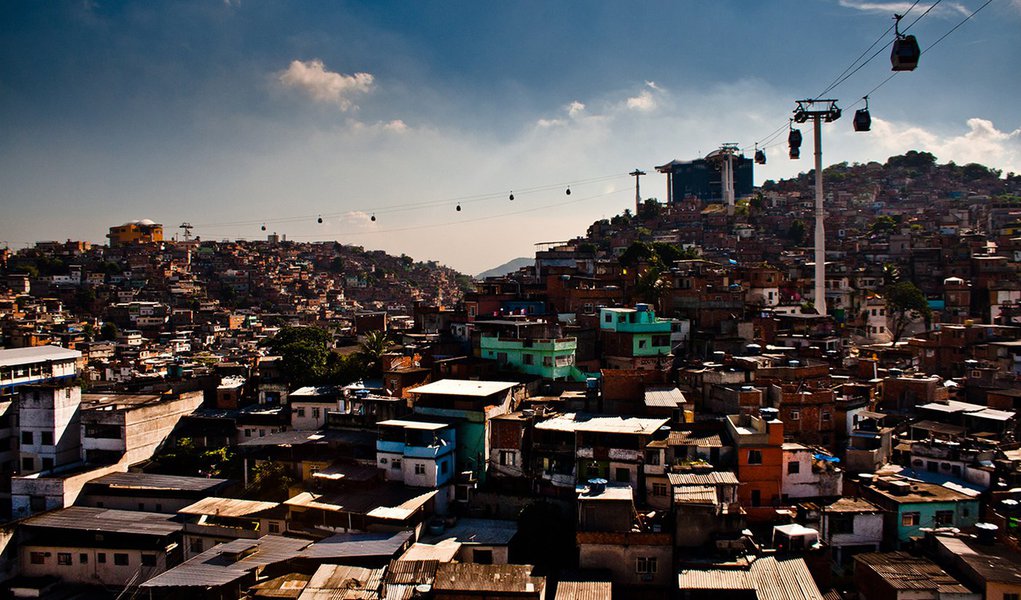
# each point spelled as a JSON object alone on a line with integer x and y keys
{"x": 234, "y": 114}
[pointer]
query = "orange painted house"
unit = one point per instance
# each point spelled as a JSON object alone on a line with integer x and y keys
{"x": 758, "y": 444}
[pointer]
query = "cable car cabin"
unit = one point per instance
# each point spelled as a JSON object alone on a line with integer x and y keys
{"x": 795, "y": 153}
{"x": 905, "y": 53}
{"x": 862, "y": 120}
{"x": 760, "y": 157}
{"x": 794, "y": 138}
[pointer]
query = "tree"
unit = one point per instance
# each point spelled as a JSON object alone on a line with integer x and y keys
{"x": 905, "y": 303}
{"x": 270, "y": 482}
{"x": 305, "y": 352}
{"x": 796, "y": 232}
{"x": 373, "y": 347}
{"x": 649, "y": 210}
{"x": 109, "y": 331}
{"x": 883, "y": 224}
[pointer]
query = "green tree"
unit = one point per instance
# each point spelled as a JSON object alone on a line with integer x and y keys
{"x": 270, "y": 482}
{"x": 796, "y": 232}
{"x": 372, "y": 348}
{"x": 649, "y": 210}
{"x": 305, "y": 352}
{"x": 883, "y": 224}
{"x": 109, "y": 331}
{"x": 905, "y": 303}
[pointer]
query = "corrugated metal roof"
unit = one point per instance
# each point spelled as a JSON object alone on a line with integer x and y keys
{"x": 695, "y": 494}
{"x": 904, "y": 571}
{"x": 694, "y": 438}
{"x": 669, "y": 397}
{"x": 487, "y": 532}
{"x": 82, "y": 518}
{"x": 227, "y": 507}
{"x": 221, "y": 565}
{"x": 412, "y": 424}
{"x": 771, "y": 579}
{"x": 342, "y": 582}
{"x": 711, "y": 478}
{"x": 411, "y": 572}
{"x": 360, "y": 545}
{"x": 471, "y": 577}
{"x": 152, "y": 481}
{"x": 584, "y": 590}
{"x": 852, "y": 505}
{"x": 445, "y": 551}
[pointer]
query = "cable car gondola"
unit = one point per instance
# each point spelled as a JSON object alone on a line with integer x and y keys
{"x": 862, "y": 118}
{"x": 794, "y": 141}
{"x": 568, "y": 191}
{"x": 760, "y": 156}
{"x": 320, "y": 219}
{"x": 264, "y": 227}
{"x": 511, "y": 197}
{"x": 373, "y": 218}
{"x": 458, "y": 207}
{"x": 905, "y": 53}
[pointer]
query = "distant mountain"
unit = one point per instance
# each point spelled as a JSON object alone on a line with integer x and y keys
{"x": 507, "y": 267}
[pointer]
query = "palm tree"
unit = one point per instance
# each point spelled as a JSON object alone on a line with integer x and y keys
{"x": 373, "y": 347}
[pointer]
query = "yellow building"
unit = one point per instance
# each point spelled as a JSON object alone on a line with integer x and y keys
{"x": 136, "y": 232}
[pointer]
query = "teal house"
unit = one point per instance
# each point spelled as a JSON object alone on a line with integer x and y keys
{"x": 634, "y": 338}
{"x": 912, "y": 505}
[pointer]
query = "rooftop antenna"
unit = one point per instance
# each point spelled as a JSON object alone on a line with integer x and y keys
{"x": 186, "y": 226}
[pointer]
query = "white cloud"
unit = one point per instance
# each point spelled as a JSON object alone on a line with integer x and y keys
{"x": 397, "y": 126}
{"x": 358, "y": 219}
{"x": 902, "y": 7}
{"x": 321, "y": 85}
{"x": 645, "y": 101}
{"x": 575, "y": 108}
{"x": 982, "y": 143}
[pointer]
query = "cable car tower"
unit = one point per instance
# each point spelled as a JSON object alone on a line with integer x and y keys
{"x": 186, "y": 226}
{"x": 819, "y": 111}
{"x": 725, "y": 156}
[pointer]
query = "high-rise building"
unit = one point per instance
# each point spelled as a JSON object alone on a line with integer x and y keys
{"x": 703, "y": 179}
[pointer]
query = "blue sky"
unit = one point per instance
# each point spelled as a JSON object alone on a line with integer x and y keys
{"x": 233, "y": 114}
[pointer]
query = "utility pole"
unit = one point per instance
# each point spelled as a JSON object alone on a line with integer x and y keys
{"x": 637, "y": 174}
{"x": 819, "y": 111}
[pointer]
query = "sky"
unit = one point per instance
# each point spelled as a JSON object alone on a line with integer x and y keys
{"x": 231, "y": 115}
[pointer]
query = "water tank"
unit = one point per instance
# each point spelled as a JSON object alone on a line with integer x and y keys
{"x": 642, "y": 307}
{"x": 986, "y": 533}
{"x": 596, "y": 486}
{"x": 769, "y": 414}
{"x": 592, "y": 383}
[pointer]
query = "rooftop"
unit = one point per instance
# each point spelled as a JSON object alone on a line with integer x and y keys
{"x": 23, "y": 356}
{"x": 81, "y": 518}
{"x": 227, "y": 507}
{"x": 902, "y": 571}
{"x": 601, "y": 424}
{"x": 151, "y": 481}
{"x": 464, "y": 387}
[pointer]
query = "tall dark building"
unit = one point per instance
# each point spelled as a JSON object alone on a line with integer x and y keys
{"x": 703, "y": 178}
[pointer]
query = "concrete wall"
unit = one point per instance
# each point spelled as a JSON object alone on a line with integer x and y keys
{"x": 56, "y": 491}
{"x": 303, "y": 414}
{"x": 91, "y": 570}
{"x": 620, "y": 553}
{"x": 148, "y": 427}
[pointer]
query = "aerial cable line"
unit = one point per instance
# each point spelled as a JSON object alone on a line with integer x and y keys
{"x": 931, "y": 46}
{"x": 449, "y": 223}
{"x": 415, "y": 205}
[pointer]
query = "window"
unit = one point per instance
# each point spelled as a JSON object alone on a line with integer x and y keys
{"x": 195, "y": 545}
{"x": 501, "y": 357}
{"x": 46, "y": 438}
{"x": 482, "y": 557}
{"x": 608, "y": 318}
{"x": 47, "y": 464}
{"x": 148, "y": 560}
{"x": 910, "y": 519}
{"x": 652, "y": 457}
{"x": 793, "y": 467}
{"x": 661, "y": 340}
{"x": 101, "y": 557}
{"x": 943, "y": 517}
{"x": 419, "y": 469}
{"x": 63, "y": 558}
{"x": 28, "y": 464}
{"x": 37, "y": 558}
{"x": 622, "y": 475}
{"x": 120, "y": 559}
{"x": 756, "y": 497}
{"x": 1011, "y": 596}
{"x": 508, "y": 458}
{"x": 841, "y": 524}
{"x": 395, "y": 464}
{"x": 444, "y": 467}
{"x": 547, "y": 361}
{"x": 528, "y": 359}
{"x": 795, "y": 415}
{"x": 659, "y": 489}
{"x": 83, "y": 559}
{"x": 641, "y": 344}
{"x": 274, "y": 527}
{"x": 301, "y": 411}
{"x": 646, "y": 565}
{"x": 248, "y": 433}
{"x": 826, "y": 416}
{"x": 315, "y": 413}
{"x": 755, "y": 457}
{"x": 26, "y": 438}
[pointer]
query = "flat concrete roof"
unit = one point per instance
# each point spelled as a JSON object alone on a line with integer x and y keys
{"x": 24, "y": 356}
{"x": 464, "y": 387}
